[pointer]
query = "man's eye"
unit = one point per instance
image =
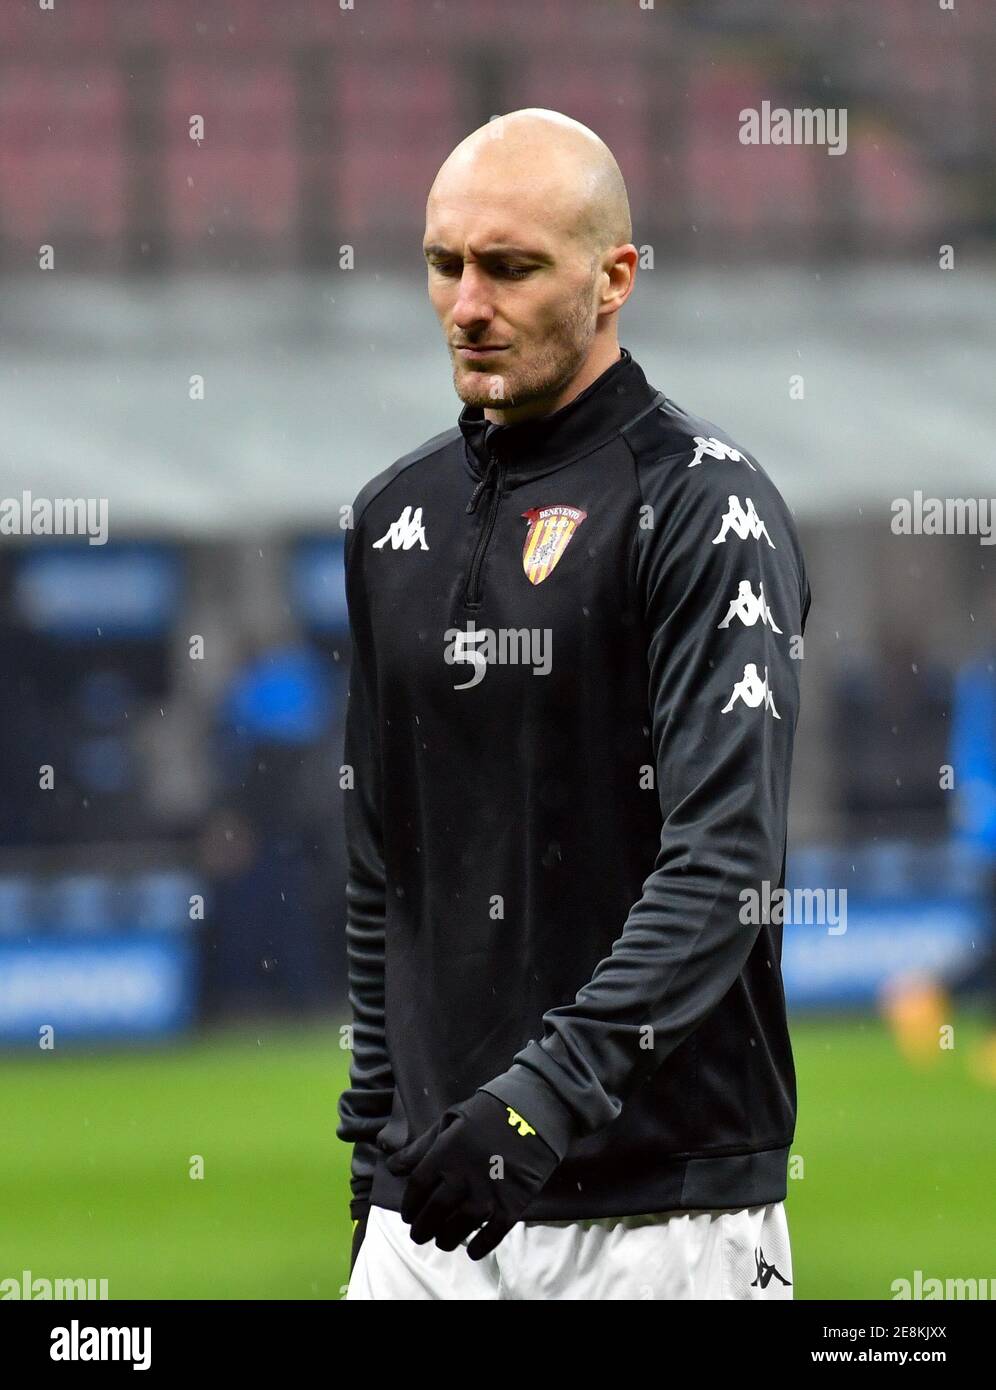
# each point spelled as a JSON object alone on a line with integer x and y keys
{"x": 501, "y": 270}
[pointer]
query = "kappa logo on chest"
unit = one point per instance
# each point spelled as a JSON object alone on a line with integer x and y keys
{"x": 404, "y": 533}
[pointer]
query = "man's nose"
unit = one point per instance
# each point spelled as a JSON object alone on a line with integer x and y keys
{"x": 473, "y": 301}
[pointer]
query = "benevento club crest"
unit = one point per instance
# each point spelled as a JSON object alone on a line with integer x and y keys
{"x": 550, "y": 530}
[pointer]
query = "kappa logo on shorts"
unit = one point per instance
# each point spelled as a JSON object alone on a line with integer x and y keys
{"x": 549, "y": 534}
{"x": 765, "y": 1272}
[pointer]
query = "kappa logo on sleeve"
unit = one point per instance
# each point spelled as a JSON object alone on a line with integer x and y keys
{"x": 404, "y": 532}
{"x": 743, "y": 522}
{"x": 753, "y": 691}
{"x": 748, "y": 607}
{"x": 715, "y": 449}
{"x": 549, "y": 534}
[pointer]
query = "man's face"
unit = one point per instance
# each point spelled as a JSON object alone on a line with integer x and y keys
{"x": 516, "y": 300}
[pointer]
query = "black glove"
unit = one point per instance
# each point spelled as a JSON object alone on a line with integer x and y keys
{"x": 359, "y": 1231}
{"x": 457, "y": 1183}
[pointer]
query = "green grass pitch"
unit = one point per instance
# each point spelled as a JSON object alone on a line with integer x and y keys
{"x": 97, "y": 1151}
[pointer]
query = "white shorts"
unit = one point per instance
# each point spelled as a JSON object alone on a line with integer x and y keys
{"x": 672, "y": 1255}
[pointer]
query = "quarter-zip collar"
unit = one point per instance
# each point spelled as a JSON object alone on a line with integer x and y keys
{"x": 531, "y": 448}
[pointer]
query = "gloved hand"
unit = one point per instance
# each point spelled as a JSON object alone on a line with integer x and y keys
{"x": 359, "y": 1231}
{"x": 456, "y": 1183}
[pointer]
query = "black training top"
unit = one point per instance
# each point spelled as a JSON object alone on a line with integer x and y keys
{"x": 573, "y": 696}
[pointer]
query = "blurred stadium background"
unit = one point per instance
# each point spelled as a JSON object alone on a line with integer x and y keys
{"x": 278, "y": 259}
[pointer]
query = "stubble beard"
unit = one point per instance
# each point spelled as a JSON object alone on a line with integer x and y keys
{"x": 547, "y": 371}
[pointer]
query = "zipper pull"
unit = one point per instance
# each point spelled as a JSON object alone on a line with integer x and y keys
{"x": 476, "y": 495}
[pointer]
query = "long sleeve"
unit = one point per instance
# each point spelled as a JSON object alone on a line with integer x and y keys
{"x": 365, "y": 1106}
{"x": 722, "y": 588}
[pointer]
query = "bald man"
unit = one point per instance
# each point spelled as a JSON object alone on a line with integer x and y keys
{"x": 576, "y": 619}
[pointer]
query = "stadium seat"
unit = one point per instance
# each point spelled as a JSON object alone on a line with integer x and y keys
{"x": 816, "y": 866}
{"x": 246, "y": 105}
{"x": 57, "y": 196}
{"x": 160, "y": 901}
{"x": 83, "y": 903}
{"x": 886, "y": 868}
{"x": 220, "y": 195}
{"x": 16, "y": 904}
{"x": 65, "y": 106}
{"x": 62, "y": 166}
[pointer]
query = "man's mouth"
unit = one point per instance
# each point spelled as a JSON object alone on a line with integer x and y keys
{"x": 472, "y": 354}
